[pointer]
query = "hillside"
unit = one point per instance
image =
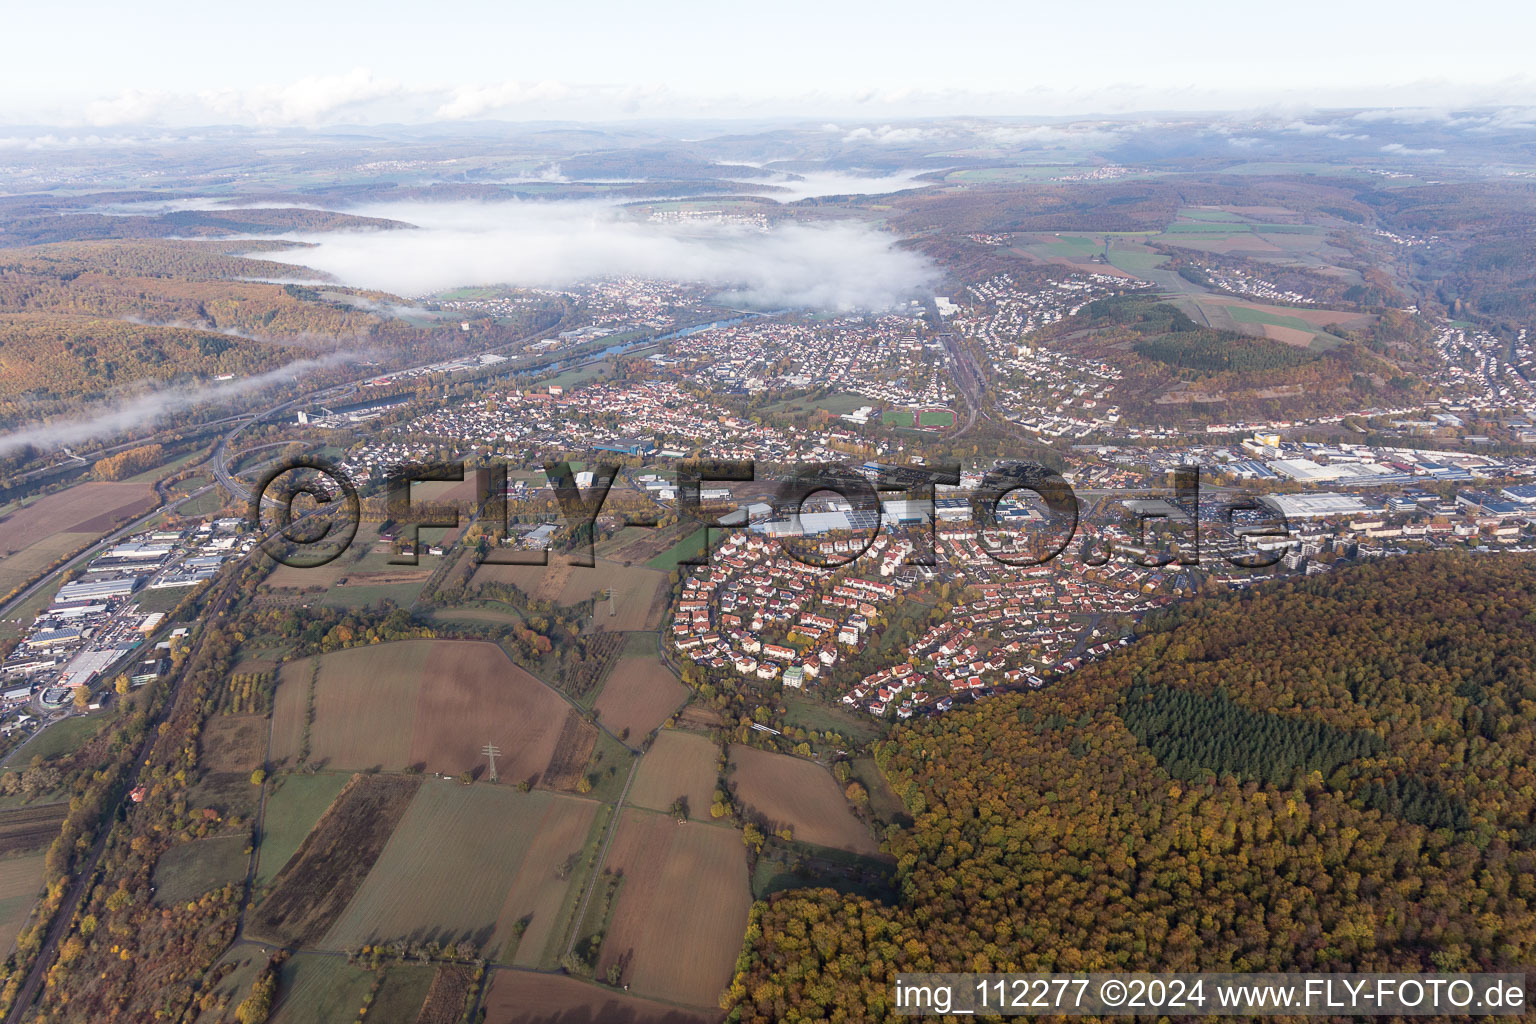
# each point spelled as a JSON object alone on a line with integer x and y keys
{"x": 1334, "y": 774}
{"x": 80, "y": 319}
{"x": 1174, "y": 366}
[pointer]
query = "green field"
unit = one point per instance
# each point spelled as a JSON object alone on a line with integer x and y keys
{"x": 936, "y": 418}
{"x": 1214, "y": 229}
{"x": 610, "y": 763}
{"x": 1209, "y": 215}
{"x": 837, "y": 403}
{"x": 64, "y": 737}
{"x": 1249, "y": 315}
{"x": 809, "y": 713}
{"x": 466, "y": 863}
{"x": 1135, "y": 262}
{"x": 162, "y": 600}
{"x": 21, "y": 882}
{"x": 883, "y": 801}
{"x": 691, "y": 546}
{"x": 898, "y": 418}
{"x": 316, "y": 989}
{"x": 188, "y": 870}
{"x": 1074, "y": 247}
{"x": 295, "y": 805}
{"x": 401, "y": 995}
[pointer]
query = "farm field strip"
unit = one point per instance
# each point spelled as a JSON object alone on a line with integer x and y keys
{"x": 785, "y": 790}
{"x": 679, "y": 764}
{"x": 28, "y": 828}
{"x": 682, "y": 908}
{"x": 21, "y": 882}
{"x": 315, "y": 886}
{"x": 639, "y": 694}
{"x": 452, "y": 863}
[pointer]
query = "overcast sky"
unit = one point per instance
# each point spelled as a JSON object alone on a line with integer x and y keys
{"x": 293, "y": 62}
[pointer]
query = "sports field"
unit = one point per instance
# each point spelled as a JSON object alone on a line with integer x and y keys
{"x": 682, "y": 907}
{"x": 428, "y": 703}
{"x": 786, "y": 790}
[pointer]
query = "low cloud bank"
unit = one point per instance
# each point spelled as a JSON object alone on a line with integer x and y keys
{"x": 150, "y": 408}
{"x": 838, "y": 266}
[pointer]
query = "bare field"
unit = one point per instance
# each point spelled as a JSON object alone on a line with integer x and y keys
{"x": 21, "y": 883}
{"x": 785, "y": 790}
{"x": 432, "y": 703}
{"x": 639, "y": 593}
{"x": 682, "y": 907}
{"x": 234, "y": 743}
{"x": 539, "y": 893}
{"x": 33, "y": 538}
{"x": 445, "y": 999}
{"x": 1313, "y": 316}
{"x": 572, "y": 752}
{"x": 451, "y": 864}
{"x": 317, "y": 883}
{"x": 639, "y": 695}
{"x": 83, "y": 508}
{"x": 522, "y": 998}
{"x": 30, "y": 828}
{"x": 679, "y": 764}
{"x": 1292, "y": 336}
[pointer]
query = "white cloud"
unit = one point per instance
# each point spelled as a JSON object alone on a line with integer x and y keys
{"x": 480, "y": 101}
{"x": 313, "y": 100}
{"x": 889, "y": 135}
{"x": 133, "y": 106}
{"x": 813, "y": 184}
{"x": 830, "y": 266}
{"x": 1398, "y": 149}
{"x": 1052, "y": 136}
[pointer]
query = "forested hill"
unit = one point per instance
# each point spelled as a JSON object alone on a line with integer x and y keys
{"x": 1331, "y": 774}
